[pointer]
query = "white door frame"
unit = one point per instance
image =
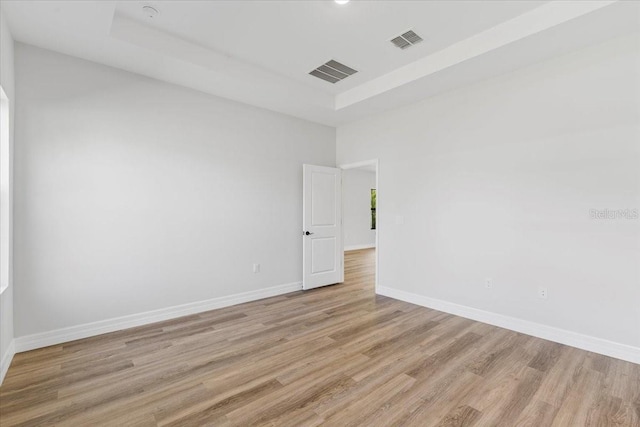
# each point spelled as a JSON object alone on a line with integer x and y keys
{"x": 356, "y": 165}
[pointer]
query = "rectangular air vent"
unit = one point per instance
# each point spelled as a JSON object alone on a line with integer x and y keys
{"x": 406, "y": 40}
{"x": 333, "y": 72}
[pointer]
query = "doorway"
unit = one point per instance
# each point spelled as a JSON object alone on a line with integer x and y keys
{"x": 360, "y": 195}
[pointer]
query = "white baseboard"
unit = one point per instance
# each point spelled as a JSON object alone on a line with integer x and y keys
{"x": 7, "y": 357}
{"x": 358, "y": 247}
{"x": 562, "y": 336}
{"x": 58, "y": 336}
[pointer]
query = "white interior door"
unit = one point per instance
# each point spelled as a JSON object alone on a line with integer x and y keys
{"x": 322, "y": 251}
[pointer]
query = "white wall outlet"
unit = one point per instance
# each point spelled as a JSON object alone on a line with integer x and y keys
{"x": 256, "y": 268}
{"x": 542, "y": 292}
{"x": 488, "y": 283}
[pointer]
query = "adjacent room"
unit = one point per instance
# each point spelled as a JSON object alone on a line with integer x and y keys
{"x": 320, "y": 213}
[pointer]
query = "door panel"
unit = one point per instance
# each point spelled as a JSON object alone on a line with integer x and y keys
{"x": 323, "y": 249}
{"x": 322, "y": 227}
{"x": 323, "y": 206}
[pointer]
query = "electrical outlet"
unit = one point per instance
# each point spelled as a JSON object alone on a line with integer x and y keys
{"x": 488, "y": 283}
{"x": 542, "y": 292}
{"x": 256, "y": 268}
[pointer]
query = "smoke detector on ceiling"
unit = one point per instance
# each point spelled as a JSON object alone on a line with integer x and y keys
{"x": 333, "y": 72}
{"x": 150, "y": 11}
{"x": 406, "y": 40}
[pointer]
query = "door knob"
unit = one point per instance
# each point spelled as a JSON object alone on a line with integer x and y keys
{"x": 306, "y": 233}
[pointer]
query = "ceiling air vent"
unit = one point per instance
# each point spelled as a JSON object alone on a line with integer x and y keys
{"x": 333, "y": 72}
{"x": 406, "y": 40}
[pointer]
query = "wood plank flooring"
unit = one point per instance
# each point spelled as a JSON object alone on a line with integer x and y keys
{"x": 336, "y": 356}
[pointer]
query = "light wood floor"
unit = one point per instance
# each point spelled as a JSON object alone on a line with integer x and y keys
{"x": 334, "y": 356}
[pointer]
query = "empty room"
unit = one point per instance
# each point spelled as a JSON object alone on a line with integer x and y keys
{"x": 320, "y": 213}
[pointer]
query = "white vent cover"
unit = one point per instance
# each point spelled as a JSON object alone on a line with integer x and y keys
{"x": 406, "y": 40}
{"x": 333, "y": 72}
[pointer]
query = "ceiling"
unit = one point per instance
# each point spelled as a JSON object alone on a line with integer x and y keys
{"x": 260, "y": 52}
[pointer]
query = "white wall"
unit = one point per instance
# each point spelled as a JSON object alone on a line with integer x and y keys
{"x": 496, "y": 180}
{"x": 135, "y": 195}
{"x": 356, "y": 194}
{"x": 6, "y": 299}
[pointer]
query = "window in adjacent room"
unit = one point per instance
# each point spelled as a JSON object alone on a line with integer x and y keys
{"x": 373, "y": 208}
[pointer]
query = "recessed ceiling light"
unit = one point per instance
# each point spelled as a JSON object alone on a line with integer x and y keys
{"x": 150, "y": 11}
{"x": 341, "y": 1}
